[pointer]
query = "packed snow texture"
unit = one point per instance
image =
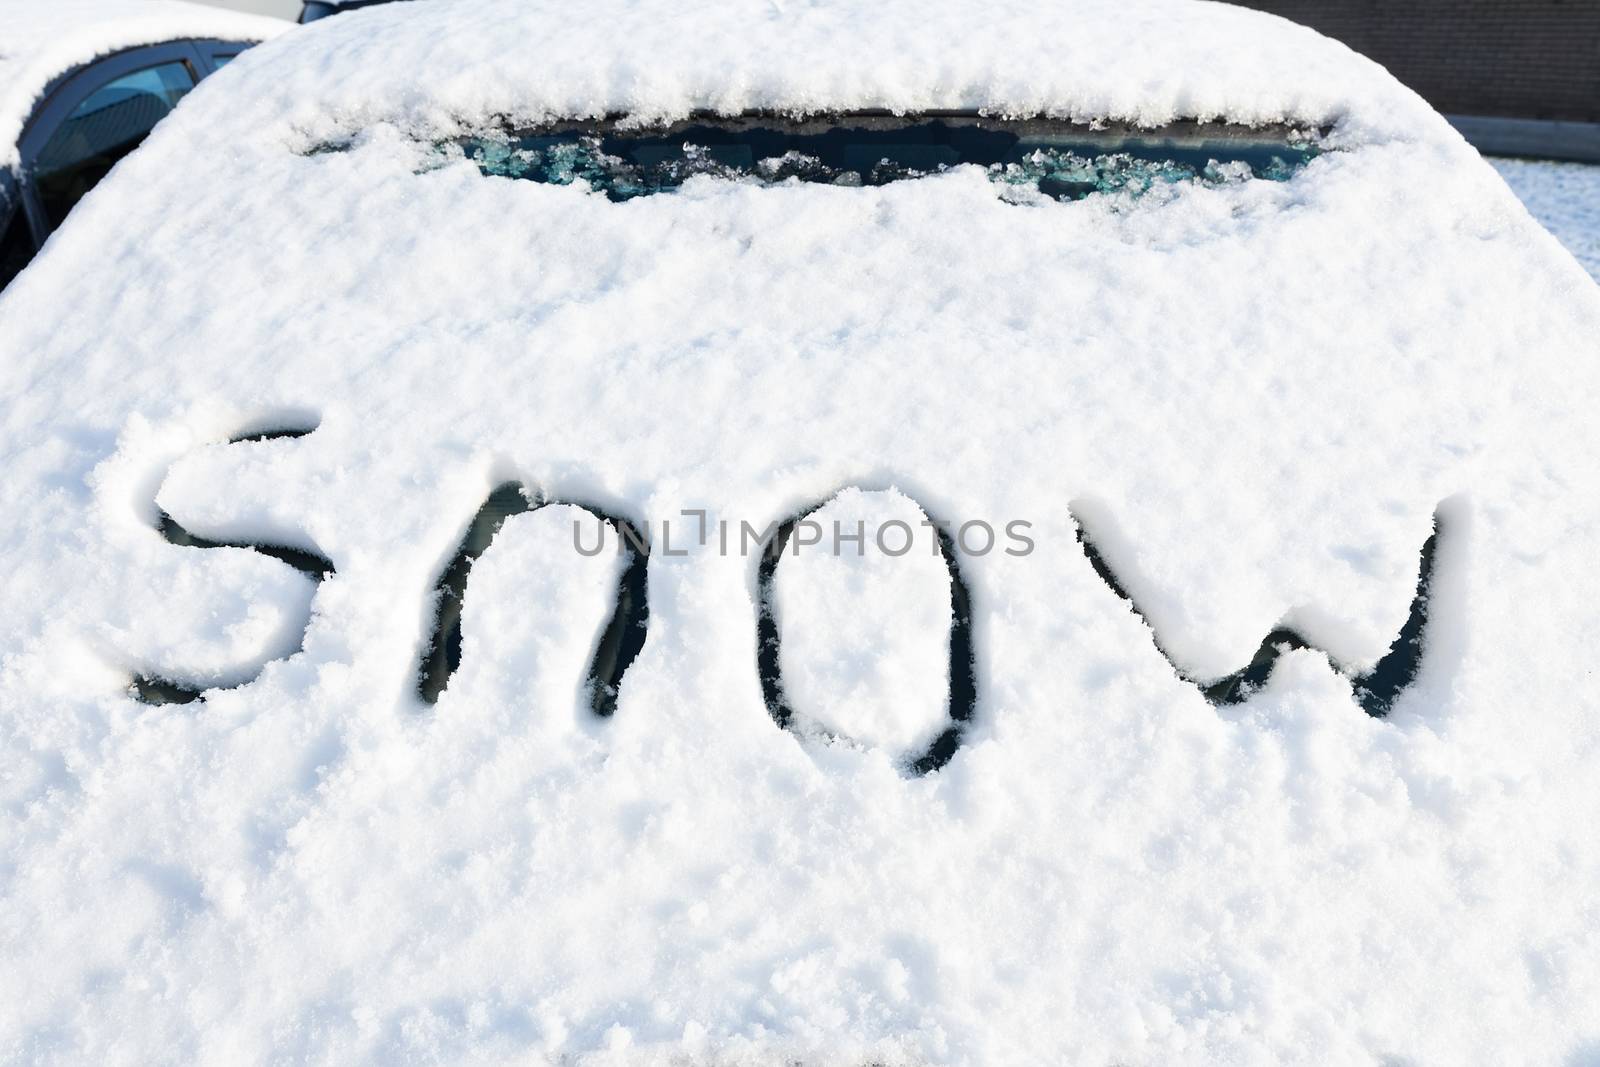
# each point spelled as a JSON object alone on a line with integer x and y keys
{"x": 1258, "y": 392}
{"x": 39, "y": 42}
{"x": 1565, "y": 198}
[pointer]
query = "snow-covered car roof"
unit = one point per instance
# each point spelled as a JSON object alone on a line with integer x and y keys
{"x": 315, "y": 314}
{"x": 39, "y": 42}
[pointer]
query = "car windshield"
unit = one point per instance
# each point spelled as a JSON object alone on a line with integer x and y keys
{"x": 1061, "y": 160}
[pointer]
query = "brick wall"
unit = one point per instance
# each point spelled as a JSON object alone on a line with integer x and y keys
{"x": 1536, "y": 59}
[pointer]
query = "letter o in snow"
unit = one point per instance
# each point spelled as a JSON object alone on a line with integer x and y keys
{"x": 869, "y": 648}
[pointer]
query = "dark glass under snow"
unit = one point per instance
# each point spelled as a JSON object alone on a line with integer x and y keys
{"x": 1061, "y": 160}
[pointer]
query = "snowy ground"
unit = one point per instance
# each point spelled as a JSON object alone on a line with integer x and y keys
{"x": 1565, "y": 198}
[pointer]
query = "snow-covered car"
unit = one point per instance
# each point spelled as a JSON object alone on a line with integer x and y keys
{"x": 313, "y": 10}
{"x": 846, "y": 531}
{"x": 82, "y": 82}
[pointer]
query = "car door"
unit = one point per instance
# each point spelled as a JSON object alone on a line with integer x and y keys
{"x": 89, "y": 119}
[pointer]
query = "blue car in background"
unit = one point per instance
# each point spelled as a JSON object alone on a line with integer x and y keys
{"x": 81, "y": 120}
{"x": 321, "y": 9}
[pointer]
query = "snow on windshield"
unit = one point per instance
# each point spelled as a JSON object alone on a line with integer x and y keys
{"x": 949, "y": 781}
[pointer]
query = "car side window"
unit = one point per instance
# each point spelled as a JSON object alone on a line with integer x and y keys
{"x": 16, "y": 244}
{"x": 110, "y": 123}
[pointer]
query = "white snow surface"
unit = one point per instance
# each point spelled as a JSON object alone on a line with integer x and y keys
{"x": 1256, "y": 396}
{"x": 39, "y": 42}
{"x": 1565, "y": 198}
